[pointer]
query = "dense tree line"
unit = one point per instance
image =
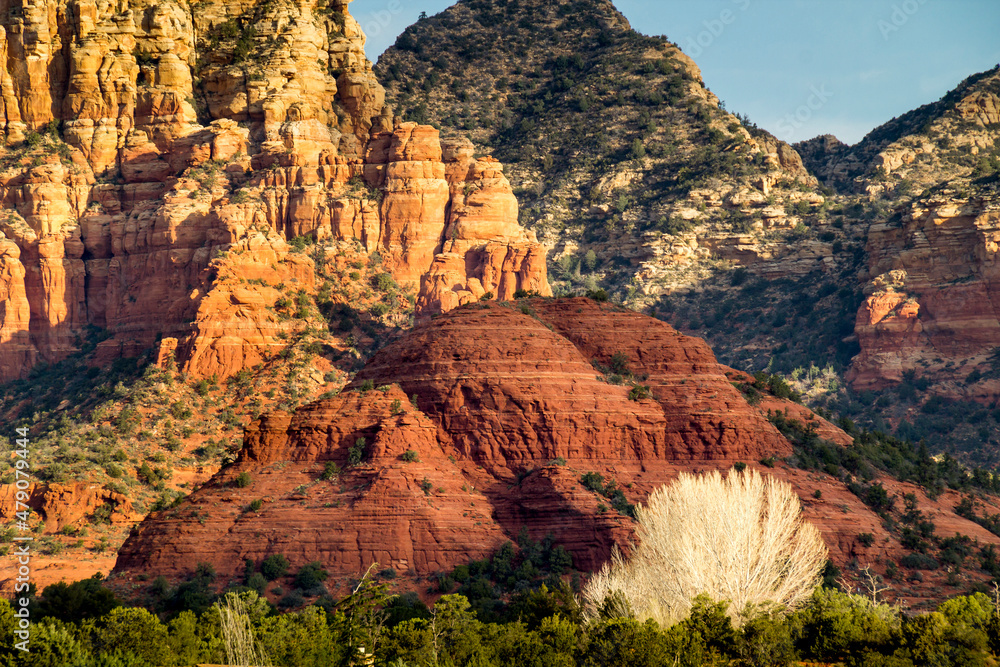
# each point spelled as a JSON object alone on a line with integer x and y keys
{"x": 84, "y": 625}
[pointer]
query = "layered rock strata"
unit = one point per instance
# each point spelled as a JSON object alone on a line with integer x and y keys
{"x": 934, "y": 298}
{"x": 481, "y": 423}
{"x": 61, "y": 505}
{"x": 146, "y": 141}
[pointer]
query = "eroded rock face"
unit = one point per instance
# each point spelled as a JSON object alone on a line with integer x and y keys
{"x": 546, "y": 362}
{"x": 459, "y": 440}
{"x": 406, "y": 515}
{"x": 192, "y": 133}
{"x": 933, "y": 300}
{"x": 482, "y": 422}
{"x": 61, "y": 505}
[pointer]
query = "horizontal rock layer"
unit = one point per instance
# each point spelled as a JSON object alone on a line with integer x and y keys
{"x": 934, "y": 299}
{"x": 482, "y": 422}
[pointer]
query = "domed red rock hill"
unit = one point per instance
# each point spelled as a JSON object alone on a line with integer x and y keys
{"x": 481, "y": 422}
{"x": 517, "y": 388}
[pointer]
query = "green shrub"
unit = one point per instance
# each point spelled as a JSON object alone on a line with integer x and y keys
{"x": 410, "y": 456}
{"x": 76, "y": 601}
{"x": 638, "y": 392}
{"x": 243, "y": 480}
{"x": 919, "y": 561}
{"x": 598, "y": 295}
{"x": 637, "y": 151}
{"x": 274, "y": 567}
{"x": 180, "y": 411}
{"x": 593, "y": 481}
{"x": 136, "y": 632}
{"x": 299, "y": 243}
{"x": 765, "y": 640}
{"x": 357, "y": 452}
{"x": 292, "y": 600}
{"x": 257, "y": 582}
{"x": 836, "y": 626}
{"x": 310, "y": 578}
{"x": 152, "y": 476}
{"x": 383, "y": 282}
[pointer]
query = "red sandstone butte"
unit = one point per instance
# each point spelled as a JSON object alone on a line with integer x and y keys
{"x": 482, "y": 422}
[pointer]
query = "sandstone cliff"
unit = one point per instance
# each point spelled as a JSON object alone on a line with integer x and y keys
{"x": 931, "y": 274}
{"x": 145, "y": 141}
{"x": 931, "y": 305}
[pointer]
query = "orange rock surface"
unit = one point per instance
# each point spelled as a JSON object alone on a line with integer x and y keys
{"x": 118, "y": 221}
{"x": 406, "y": 515}
{"x": 932, "y": 301}
{"x": 60, "y": 505}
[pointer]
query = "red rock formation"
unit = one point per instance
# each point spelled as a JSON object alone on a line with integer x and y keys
{"x": 706, "y": 417}
{"x": 482, "y": 422}
{"x": 416, "y": 516}
{"x": 416, "y": 194}
{"x": 61, "y": 505}
{"x": 236, "y": 326}
{"x": 16, "y": 350}
{"x": 491, "y": 409}
{"x": 696, "y": 413}
{"x": 120, "y": 231}
{"x": 933, "y": 300}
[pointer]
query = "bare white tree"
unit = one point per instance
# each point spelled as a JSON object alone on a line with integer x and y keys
{"x": 871, "y": 582}
{"x": 740, "y": 538}
{"x": 237, "y": 631}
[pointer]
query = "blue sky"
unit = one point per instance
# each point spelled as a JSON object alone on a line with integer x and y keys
{"x": 798, "y": 68}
